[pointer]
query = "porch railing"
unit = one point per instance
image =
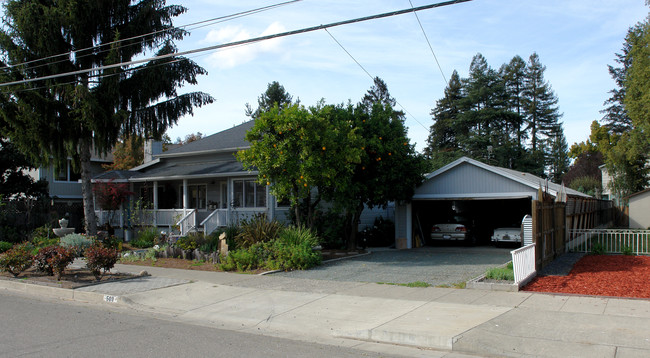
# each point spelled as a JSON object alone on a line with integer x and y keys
{"x": 218, "y": 218}
{"x": 523, "y": 263}
{"x": 188, "y": 222}
{"x": 611, "y": 241}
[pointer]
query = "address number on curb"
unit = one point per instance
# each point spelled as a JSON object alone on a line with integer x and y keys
{"x": 110, "y": 299}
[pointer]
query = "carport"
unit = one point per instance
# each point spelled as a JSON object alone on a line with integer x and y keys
{"x": 487, "y": 196}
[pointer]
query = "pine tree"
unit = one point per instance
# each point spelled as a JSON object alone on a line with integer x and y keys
{"x": 442, "y": 143}
{"x": 275, "y": 95}
{"x": 57, "y": 118}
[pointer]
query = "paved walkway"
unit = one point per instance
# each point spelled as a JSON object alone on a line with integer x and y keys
{"x": 453, "y": 322}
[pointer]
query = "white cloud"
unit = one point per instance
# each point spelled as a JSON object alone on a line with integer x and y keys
{"x": 234, "y": 56}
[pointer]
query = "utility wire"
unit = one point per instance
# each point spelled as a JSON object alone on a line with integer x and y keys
{"x": 371, "y": 77}
{"x": 257, "y": 39}
{"x": 428, "y": 42}
{"x": 202, "y": 23}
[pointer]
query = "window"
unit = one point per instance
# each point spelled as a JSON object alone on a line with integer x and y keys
{"x": 67, "y": 173}
{"x": 249, "y": 194}
{"x": 197, "y": 196}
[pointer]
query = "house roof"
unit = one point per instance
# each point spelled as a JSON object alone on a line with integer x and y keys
{"x": 116, "y": 176}
{"x": 527, "y": 179}
{"x": 172, "y": 171}
{"x": 229, "y": 139}
{"x": 637, "y": 193}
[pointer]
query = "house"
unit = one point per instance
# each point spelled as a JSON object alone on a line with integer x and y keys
{"x": 64, "y": 186}
{"x": 487, "y": 196}
{"x": 200, "y": 185}
{"x": 639, "y": 206}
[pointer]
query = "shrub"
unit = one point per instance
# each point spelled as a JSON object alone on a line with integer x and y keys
{"x": 192, "y": 241}
{"x": 17, "y": 259}
{"x": 250, "y": 258}
{"x": 501, "y": 273}
{"x": 54, "y": 259}
{"x": 5, "y": 246}
{"x": 77, "y": 242}
{"x": 112, "y": 242}
{"x": 146, "y": 238}
{"x": 297, "y": 236}
{"x": 597, "y": 249}
{"x": 330, "y": 227}
{"x": 292, "y": 257}
{"x": 257, "y": 229}
{"x": 627, "y": 250}
{"x": 44, "y": 231}
{"x": 382, "y": 233}
{"x": 100, "y": 259}
{"x": 43, "y": 241}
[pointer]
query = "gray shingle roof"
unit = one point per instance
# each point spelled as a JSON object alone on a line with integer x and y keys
{"x": 227, "y": 139}
{"x": 207, "y": 168}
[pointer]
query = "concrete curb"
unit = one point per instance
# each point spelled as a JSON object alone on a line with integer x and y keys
{"x": 57, "y": 292}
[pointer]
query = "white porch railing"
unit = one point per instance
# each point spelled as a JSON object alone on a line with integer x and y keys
{"x": 612, "y": 241}
{"x": 188, "y": 222}
{"x": 216, "y": 219}
{"x": 523, "y": 263}
{"x": 113, "y": 217}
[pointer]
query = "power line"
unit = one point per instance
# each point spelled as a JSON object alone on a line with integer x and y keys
{"x": 430, "y": 47}
{"x": 369, "y": 75}
{"x": 203, "y": 23}
{"x": 257, "y": 39}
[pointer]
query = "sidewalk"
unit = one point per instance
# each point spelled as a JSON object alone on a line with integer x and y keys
{"x": 464, "y": 321}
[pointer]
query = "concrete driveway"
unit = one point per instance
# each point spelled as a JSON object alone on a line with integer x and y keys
{"x": 433, "y": 265}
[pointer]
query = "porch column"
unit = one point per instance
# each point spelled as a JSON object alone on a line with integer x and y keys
{"x": 155, "y": 203}
{"x": 409, "y": 226}
{"x": 186, "y": 197}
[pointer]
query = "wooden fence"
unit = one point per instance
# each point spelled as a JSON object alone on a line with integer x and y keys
{"x": 548, "y": 231}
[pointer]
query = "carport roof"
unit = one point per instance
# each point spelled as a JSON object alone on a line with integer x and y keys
{"x": 532, "y": 182}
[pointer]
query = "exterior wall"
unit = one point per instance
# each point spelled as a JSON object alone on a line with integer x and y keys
{"x": 606, "y": 179}
{"x": 368, "y": 216}
{"x": 640, "y": 211}
{"x": 400, "y": 221}
{"x": 469, "y": 181}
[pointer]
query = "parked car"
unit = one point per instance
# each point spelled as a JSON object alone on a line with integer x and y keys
{"x": 506, "y": 235}
{"x": 457, "y": 231}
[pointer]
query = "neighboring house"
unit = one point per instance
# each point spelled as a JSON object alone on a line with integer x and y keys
{"x": 200, "y": 185}
{"x": 639, "y": 206}
{"x": 606, "y": 179}
{"x": 64, "y": 185}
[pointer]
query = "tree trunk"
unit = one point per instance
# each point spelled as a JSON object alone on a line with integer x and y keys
{"x": 86, "y": 188}
{"x": 353, "y": 227}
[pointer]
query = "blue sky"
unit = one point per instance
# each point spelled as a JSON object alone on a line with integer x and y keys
{"x": 575, "y": 40}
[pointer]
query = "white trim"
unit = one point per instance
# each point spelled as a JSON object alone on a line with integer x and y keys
{"x": 145, "y": 165}
{"x": 477, "y": 196}
{"x": 199, "y": 152}
{"x": 198, "y": 176}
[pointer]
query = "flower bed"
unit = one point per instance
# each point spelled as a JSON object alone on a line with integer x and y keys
{"x": 600, "y": 275}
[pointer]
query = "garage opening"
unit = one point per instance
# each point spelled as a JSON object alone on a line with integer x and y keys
{"x": 481, "y": 216}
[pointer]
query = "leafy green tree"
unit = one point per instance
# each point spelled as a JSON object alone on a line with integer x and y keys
{"x": 52, "y": 119}
{"x": 303, "y": 154}
{"x": 389, "y": 169}
{"x": 275, "y": 94}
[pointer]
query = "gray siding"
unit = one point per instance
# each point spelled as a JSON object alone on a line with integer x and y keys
{"x": 400, "y": 221}
{"x": 469, "y": 181}
{"x": 639, "y": 209}
{"x": 368, "y": 216}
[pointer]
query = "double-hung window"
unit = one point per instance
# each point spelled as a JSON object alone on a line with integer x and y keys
{"x": 248, "y": 193}
{"x": 67, "y": 173}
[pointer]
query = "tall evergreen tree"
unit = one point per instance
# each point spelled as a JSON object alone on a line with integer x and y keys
{"x": 558, "y": 162}
{"x": 56, "y": 118}
{"x": 275, "y": 94}
{"x": 442, "y": 143}
{"x": 514, "y": 74}
{"x": 540, "y": 103}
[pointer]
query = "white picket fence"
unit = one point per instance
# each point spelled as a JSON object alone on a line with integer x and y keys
{"x": 523, "y": 263}
{"x": 611, "y": 241}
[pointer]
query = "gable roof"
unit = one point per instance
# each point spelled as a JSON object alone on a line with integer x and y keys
{"x": 228, "y": 140}
{"x": 526, "y": 179}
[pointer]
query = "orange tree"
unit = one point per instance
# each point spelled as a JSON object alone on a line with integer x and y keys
{"x": 303, "y": 154}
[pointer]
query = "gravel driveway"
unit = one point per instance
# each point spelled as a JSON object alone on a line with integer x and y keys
{"x": 433, "y": 265}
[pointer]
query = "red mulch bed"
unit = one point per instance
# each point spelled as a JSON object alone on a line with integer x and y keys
{"x": 601, "y": 275}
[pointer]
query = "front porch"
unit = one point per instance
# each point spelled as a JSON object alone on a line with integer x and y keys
{"x": 181, "y": 206}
